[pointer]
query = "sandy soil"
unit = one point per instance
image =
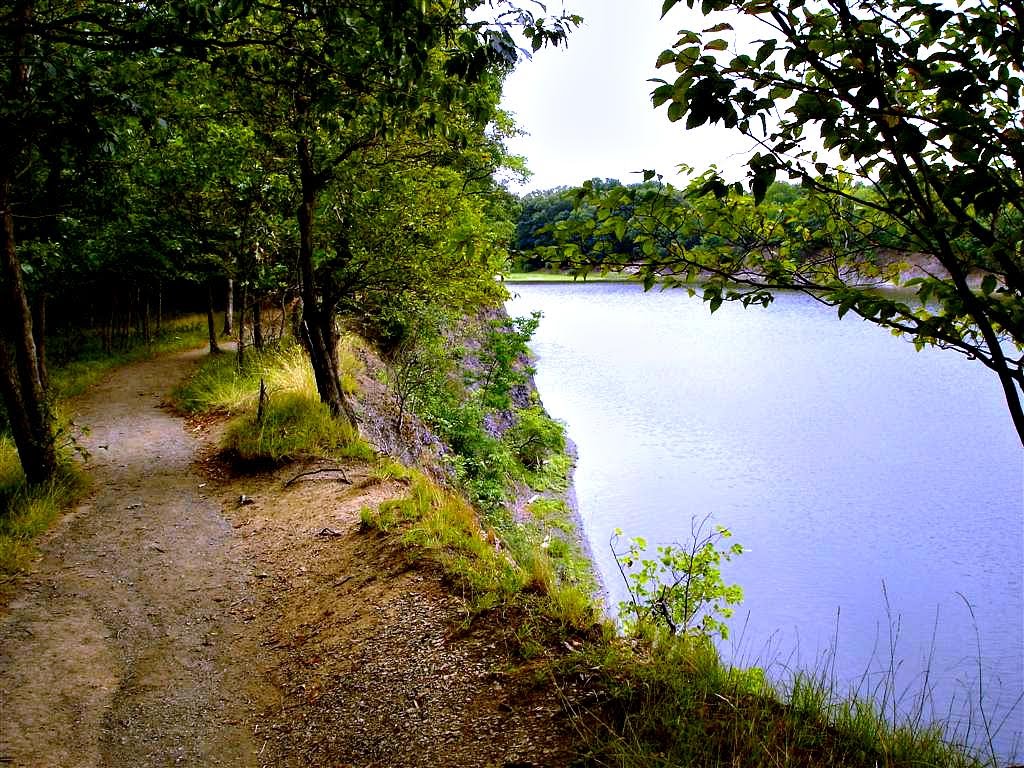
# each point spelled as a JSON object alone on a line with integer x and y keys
{"x": 167, "y": 624}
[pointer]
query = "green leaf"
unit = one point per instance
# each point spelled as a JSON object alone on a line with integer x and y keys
{"x": 988, "y": 284}
{"x": 763, "y": 178}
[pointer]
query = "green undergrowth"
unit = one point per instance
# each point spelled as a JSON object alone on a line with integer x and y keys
{"x": 675, "y": 703}
{"x": 80, "y": 361}
{"x": 292, "y": 423}
{"x": 26, "y": 512}
{"x": 488, "y": 571}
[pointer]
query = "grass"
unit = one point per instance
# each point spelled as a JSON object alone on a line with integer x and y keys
{"x": 85, "y": 362}
{"x": 489, "y": 571}
{"x": 27, "y": 512}
{"x": 294, "y": 422}
{"x": 293, "y": 425}
{"x": 675, "y": 703}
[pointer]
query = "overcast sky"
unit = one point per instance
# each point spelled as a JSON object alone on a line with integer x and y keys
{"x": 587, "y": 107}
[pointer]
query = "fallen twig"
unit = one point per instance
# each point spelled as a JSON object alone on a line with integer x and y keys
{"x": 342, "y": 479}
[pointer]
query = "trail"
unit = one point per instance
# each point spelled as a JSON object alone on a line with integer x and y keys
{"x": 167, "y": 625}
{"x": 123, "y": 647}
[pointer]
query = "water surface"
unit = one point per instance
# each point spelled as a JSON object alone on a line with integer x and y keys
{"x": 878, "y": 489}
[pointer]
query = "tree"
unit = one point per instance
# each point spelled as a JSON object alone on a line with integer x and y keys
{"x": 903, "y": 122}
{"x": 332, "y": 81}
{"x": 153, "y": 142}
{"x": 63, "y": 67}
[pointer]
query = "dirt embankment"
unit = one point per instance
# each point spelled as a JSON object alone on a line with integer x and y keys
{"x": 168, "y": 624}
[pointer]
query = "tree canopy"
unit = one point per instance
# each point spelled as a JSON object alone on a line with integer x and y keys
{"x": 901, "y": 122}
{"x": 338, "y": 152}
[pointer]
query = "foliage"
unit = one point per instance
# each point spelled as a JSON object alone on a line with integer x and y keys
{"x": 502, "y": 359}
{"x": 681, "y": 591}
{"x": 26, "y": 512}
{"x": 916, "y": 180}
{"x": 537, "y": 212}
{"x": 420, "y": 365}
{"x": 344, "y": 149}
{"x": 534, "y": 437}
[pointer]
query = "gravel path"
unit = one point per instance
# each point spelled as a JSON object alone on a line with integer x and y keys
{"x": 166, "y": 624}
{"x": 122, "y": 647}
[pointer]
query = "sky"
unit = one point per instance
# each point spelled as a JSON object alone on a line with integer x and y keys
{"x": 587, "y": 108}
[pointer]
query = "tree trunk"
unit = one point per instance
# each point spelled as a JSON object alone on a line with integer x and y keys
{"x": 211, "y": 327}
{"x": 284, "y": 315}
{"x": 317, "y": 329}
{"x": 20, "y": 385}
{"x": 146, "y": 333}
{"x": 39, "y": 337}
{"x": 257, "y": 325}
{"x": 159, "y": 306}
{"x": 241, "y": 326}
{"x": 229, "y": 311}
{"x": 21, "y": 388}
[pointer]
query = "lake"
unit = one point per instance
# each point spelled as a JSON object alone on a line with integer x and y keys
{"x": 879, "y": 490}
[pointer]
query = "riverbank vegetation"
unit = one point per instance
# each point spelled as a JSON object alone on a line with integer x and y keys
{"x": 657, "y": 695}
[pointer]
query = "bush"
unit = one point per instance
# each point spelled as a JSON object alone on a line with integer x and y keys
{"x": 535, "y": 437}
{"x": 293, "y": 425}
{"x": 681, "y": 591}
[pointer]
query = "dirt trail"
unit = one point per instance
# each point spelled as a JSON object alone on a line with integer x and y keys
{"x": 167, "y": 625}
{"x": 123, "y": 647}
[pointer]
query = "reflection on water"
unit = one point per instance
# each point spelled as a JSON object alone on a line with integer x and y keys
{"x": 879, "y": 490}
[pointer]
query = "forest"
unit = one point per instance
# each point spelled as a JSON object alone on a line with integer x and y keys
{"x": 333, "y": 157}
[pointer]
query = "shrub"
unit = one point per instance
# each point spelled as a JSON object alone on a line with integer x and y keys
{"x": 681, "y": 591}
{"x": 535, "y": 437}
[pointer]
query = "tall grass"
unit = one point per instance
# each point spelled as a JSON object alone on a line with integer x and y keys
{"x": 293, "y": 422}
{"x": 220, "y": 385}
{"x": 27, "y": 512}
{"x": 677, "y": 704}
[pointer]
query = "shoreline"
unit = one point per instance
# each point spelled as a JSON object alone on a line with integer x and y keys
{"x": 602, "y": 596}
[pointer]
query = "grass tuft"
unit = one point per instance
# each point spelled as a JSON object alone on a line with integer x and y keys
{"x": 294, "y": 422}
{"x": 27, "y": 512}
{"x": 293, "y": 426}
